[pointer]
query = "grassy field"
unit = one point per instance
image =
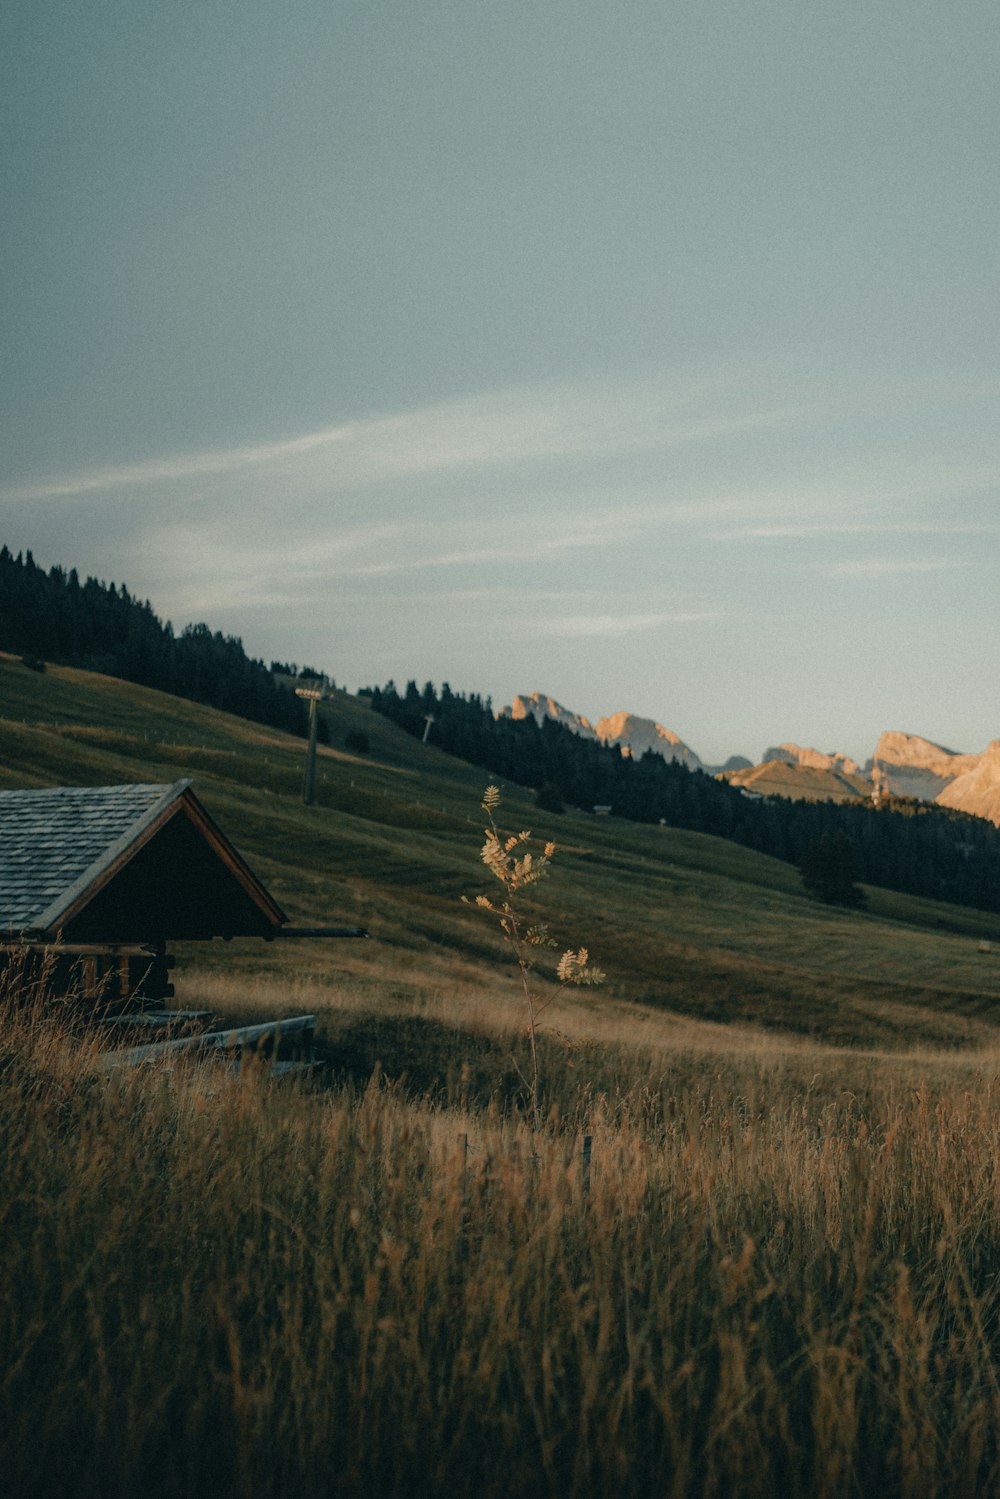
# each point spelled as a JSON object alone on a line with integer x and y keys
{"x": 683, "y": 924}
{"x": 779, "y": 1279}
{"x": 782, "y": 1279}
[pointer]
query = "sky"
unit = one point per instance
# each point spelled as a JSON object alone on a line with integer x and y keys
{"x": 641, "y": 354}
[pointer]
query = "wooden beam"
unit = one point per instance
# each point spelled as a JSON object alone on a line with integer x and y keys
{"x": 295, "y": 932}
{"x": 238, "y": 1038}
{"x": 151, "y": 1020}
{"x": 88, "y": 949}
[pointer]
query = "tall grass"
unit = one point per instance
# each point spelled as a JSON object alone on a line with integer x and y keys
{"x": 782, "y": 1280}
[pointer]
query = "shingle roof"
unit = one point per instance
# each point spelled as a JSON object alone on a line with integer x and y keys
{"x": 54, "y": 842}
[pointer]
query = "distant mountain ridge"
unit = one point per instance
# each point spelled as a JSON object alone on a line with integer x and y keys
{"x": 640, "y": 736}
{"x": 977, "y": 789}
{"x": 539, "y": 706}
{"x": 907, "y": 765}
{"x": 914, "y": 847}
{"x": 632, "y": 734}
{"x": 903, "y": 765}
{"x": 794, "y": 754}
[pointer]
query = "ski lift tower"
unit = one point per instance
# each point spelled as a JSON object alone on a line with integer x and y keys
{"x": 312, "y": 695}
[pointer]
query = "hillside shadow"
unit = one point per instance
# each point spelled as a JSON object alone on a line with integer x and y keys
{"x": 425, "y": 1057}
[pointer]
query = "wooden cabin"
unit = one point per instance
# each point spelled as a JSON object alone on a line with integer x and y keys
{"x": 95, "y": 881}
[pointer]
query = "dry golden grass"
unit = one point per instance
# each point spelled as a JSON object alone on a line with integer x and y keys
{"x": 372, "y": 982}
{"x": 782, "y": 1279}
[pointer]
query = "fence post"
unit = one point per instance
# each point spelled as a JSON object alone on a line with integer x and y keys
{"x": 462, "y": 1246}
{"x": 585, "y": 1173}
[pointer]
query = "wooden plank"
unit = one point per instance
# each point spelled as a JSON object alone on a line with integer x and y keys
{"x": 156, "y": 1019}
{"x": 86, "y": 949}
{"x": 249, "y": 1035}
{"x": 238, "y": 1038}
{"x": 292, "y": 933}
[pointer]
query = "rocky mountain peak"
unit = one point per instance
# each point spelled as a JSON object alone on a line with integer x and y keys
{"x": 539, "y": 706}
{"x": 813, "y": 759}
{"x": 905, "y": 765}
{"x": 976, "y": 789}
{"x": 633, "y": 735}
{"x": 641, "y": 736}
{"x": 908, "y": 765}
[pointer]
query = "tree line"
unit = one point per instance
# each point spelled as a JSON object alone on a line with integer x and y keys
{"x": 900, "y": 844}
{"x": 53, "y": 616}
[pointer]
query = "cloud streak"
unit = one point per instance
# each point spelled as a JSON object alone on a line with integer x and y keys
{"x": 590, "y": 626}
{"x": 583, "y": 420}
{"x": 821, "y": 530}
{"x": 886, "y": 567}
{"x": 560, "y": 533}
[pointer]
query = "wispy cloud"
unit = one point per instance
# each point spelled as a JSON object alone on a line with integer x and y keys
{"x": 883, "y": 567}
{"x": 180, "y": 466}
{"x": 582, "y": 626}
{"x": 820, "y": 530}
{"x": 921, "y": 499}
{"x": 551, "y": 421}
{"x": 520, "y": 537}
{"x": 203, "y": 547}
{"x": 593, "y": 519}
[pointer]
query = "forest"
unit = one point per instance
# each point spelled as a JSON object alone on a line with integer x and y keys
{"x": 52, "y": 616}
{"x": 901, "y": 844}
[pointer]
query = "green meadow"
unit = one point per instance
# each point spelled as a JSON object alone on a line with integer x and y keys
{"x": 777, "y": 1275}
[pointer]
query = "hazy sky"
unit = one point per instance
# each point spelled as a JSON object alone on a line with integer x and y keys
{"x": 645, "y": 354}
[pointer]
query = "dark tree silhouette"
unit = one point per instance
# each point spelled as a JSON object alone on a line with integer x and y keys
{"x": 830, "y": 870}
{"x": 52, "y": 616}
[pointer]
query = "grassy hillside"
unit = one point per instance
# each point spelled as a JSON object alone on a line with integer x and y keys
{"x": 684, "y": 925}
{"x": 801, "y": 782}
{"x": 777, "y": 1275}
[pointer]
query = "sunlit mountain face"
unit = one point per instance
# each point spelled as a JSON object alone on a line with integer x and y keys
{"x": 903, "y": 765}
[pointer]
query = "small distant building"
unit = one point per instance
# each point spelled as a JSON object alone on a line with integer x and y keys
{"x": 602, "y": 811}
{"x": 96, "y": 880}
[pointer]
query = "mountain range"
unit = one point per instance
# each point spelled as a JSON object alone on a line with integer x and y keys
{"x": 903, "y": 765}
